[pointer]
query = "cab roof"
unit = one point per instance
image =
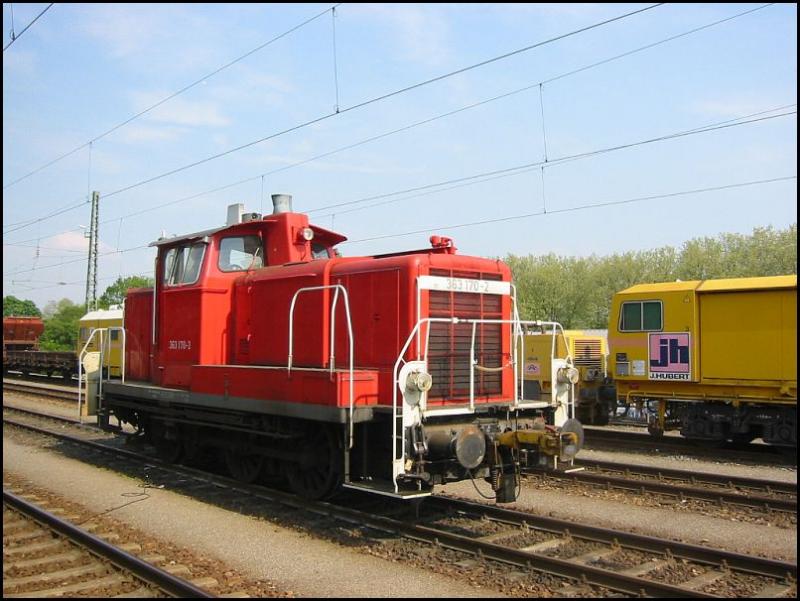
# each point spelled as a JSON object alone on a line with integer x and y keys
{"x": 332, "y": 237}
{"x": 729, "y": 284}
{"x": 102, "y": 314}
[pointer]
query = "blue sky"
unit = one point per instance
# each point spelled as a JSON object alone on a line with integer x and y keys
{"x": 82, "y": 69}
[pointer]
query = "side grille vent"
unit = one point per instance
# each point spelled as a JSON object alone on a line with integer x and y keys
{"x": 588, "y": 353}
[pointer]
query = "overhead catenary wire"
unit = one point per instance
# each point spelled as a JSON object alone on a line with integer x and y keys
{"x": 557, "y": 161}
{"x": 487, "y": 175}
{"x": 79, "y": 260}
{"x": 423, "y": 122}
{"x": 73, "y": 283}
{"x": 492, "y": 220}
{"x": 15, "y": 37}
{"x": 377, "y": 99}
{"x": 576, "y": 208}
{"x": 374, "y": 100}
{"x": 170, "y": 97}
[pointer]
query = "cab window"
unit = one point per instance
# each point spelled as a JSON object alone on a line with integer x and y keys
{"x": 641, "y": 316}
{"x": 240, "y": 253}
{"x": 182, "y": 264}
{"x": 319, "y": 251}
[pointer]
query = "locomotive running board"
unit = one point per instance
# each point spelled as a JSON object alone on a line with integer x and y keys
{"x": 387, "y": 490}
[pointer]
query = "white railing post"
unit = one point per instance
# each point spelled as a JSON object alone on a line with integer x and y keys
{"x": 81, "y": 355}
{"x": 472, "y": 362}
{"x": 337, "y": 288}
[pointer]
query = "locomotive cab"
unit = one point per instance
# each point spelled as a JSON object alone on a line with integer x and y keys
{"x": 390, "y": 373}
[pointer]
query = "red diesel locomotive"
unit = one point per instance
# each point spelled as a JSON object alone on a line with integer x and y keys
{"x": 389, "y": 373}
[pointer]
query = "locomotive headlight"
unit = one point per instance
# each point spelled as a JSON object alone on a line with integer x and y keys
{"x": 308, "y": 234}
{"x": 568, "y": 375}
{"x": 419, "y": 381}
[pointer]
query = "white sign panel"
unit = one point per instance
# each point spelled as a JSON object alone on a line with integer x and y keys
{"x": 435, "y": 282}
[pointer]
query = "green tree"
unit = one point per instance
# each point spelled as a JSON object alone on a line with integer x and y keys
{"x": 20, "y": 308}
{"x": 577, "y": 291}
{"x": 115, "y": 293}
{"x": 61, "y": 327}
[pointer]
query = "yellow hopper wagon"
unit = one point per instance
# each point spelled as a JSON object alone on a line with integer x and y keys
{"x": 718, "y": 358}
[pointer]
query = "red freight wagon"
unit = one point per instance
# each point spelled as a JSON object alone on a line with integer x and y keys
{"x": 390, "y": 373}
{"x": 22, "y": 333}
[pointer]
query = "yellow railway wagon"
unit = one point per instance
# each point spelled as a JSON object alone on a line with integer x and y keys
{"x": 103, "y": 318}
{"x": 594, "y": 398}
{"x": 718, "y": 357}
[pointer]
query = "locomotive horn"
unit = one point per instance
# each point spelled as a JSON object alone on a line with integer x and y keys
{"x": 281, "y": 203}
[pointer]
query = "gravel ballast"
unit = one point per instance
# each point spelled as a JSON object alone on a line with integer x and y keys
{"x": 295, "y": 562}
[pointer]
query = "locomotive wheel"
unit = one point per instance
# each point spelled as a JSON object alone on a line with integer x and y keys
{"x": 191, "y": 445}
{"x": 321, "y": 476}
{"x": 243, "y": 466}
{"x": 169, "y": 449}
{"x": 709, "y": 443}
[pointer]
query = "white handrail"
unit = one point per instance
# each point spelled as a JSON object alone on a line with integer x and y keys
{"x": 472, "y": 367}
{"x": 516, "y": 323}
{"x": 331, "y": 359}
{"x": 103, "y": 343}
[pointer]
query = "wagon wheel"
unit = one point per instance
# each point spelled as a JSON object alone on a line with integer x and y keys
{"x": 319, "y": 473}
{"x": 743, "y": 437}
{"x": 245, "y": 467}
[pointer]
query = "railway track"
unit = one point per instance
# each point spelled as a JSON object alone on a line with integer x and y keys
{"x": 52, "y": 391}
{"x": 769, "y": 495}
{"x": 745, "y": 492}
{"x": 45, "y": 555}
{"x": 603, "y": 437}
{"x": 609, "y": 560}
{"x": 596, "y": 436}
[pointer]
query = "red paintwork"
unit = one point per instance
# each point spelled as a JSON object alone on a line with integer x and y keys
{"x": 138, "y": 333}
{"x": 22, "y": 331}
{"x": 310, "y": 387}
{"x": 241, "y": 319}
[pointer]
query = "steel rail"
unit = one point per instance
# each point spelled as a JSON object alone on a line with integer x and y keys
{"x": 41, "y": 390}
{"x": 172, "y": 585}
{"x": 15, "y": 377}
{"x": 640, "y": 440}
{"x": 689, "y": 476}
{"x": 60, "y": 418}
{"x": 597, "y": 576}
{"x": 632, "y": 585}
{"x": 772, "y": 568}
{"x": 710, "y": 495}
{"x": 673, "y": 490}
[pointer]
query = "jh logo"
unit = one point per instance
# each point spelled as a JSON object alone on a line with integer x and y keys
{"x": 669, "y": 353}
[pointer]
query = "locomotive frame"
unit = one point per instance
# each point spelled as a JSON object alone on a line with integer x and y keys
{"x": 206, "y": 371}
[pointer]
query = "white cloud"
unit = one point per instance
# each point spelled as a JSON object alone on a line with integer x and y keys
{"x": 125, "y": 30}
{"x": 146, "y": 133}
{"x": 421, "y": 34}
{"x": 69, "y": 241}
{"x": 180, "y": 111}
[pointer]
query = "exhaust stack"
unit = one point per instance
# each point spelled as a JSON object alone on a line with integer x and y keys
{"x": 282, "y": 203}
